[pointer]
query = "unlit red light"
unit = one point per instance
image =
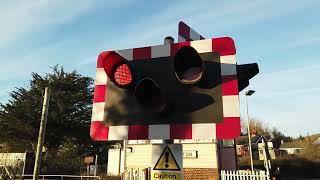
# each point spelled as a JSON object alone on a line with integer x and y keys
{"x": 188, "y": 65}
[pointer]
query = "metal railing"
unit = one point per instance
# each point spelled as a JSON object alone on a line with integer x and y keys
{"x": 63, "y": 176}
{"x": 6, "y": 172}
{"x": 136, "y": 174}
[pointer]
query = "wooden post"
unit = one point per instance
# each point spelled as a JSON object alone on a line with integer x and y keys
{"x": 42, "y": 130}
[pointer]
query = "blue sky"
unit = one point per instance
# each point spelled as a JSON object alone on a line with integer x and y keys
{"x": 282, "y": 36}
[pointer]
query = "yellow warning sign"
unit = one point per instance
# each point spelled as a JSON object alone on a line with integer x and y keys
{"x": 165, "y": 176}
{"x": 167, "y": 161}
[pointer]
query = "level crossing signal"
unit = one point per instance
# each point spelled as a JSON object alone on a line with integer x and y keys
{"x": 185, "y": 90}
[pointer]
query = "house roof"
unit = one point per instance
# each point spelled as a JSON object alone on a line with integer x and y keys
{"x": 313, "y": 137}
{"x": 317, "y": 141}
{"x": 258, "y": 139}
{"x": 293, "y": 144}
{"x": 243, "y": 140}
{"x": 300, "y": 143}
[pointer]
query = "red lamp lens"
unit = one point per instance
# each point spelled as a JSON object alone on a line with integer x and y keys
{"x": 122, "y": 75}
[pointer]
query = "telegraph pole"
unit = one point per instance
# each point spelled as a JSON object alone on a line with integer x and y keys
{"x": 42, "y": 130}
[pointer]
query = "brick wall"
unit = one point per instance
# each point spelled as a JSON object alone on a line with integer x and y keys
{"x": 200, "y": 174}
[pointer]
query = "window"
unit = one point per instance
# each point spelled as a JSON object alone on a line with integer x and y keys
{"x": 226, "y": 142}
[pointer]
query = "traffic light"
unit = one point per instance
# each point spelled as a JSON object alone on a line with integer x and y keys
{"x": 188, "y": 65}
{"x": 178, "y": 88}
{"x": 117, "y": 70}
{"x": 186, "y": 90}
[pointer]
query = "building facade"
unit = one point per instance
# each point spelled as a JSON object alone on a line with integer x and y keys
{"x": 202, "y": 159}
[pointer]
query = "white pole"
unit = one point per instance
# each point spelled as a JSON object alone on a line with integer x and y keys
{"x": 265, "y": 156}
{"x": 125, "y": 143}
{"x": 24, "y": 163}
{"x": 96, "y": 166}
{"x": 42, "y": 131}
{"x": 249, "y": 133}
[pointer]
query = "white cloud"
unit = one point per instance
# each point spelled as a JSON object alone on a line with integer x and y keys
{"x": 293, "y": 115}
{"x": 287, "y": 82}
{"x": 210, "y": 15}
{"x": 287, "y": 99}
{"x": 150, "y": 30}
{"x": 20, "y": 18}
{"x": 235, "y": 14}
{"x": 39, "y": 59}
{"x": 23, "y": 17}
{"x": 306, "y": 39}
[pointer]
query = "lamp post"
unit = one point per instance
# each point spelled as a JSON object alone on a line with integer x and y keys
{"x": 249, "y": 93}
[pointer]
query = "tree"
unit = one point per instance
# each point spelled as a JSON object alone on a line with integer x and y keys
{"x": 257, "y": 126}
{"x": 261, "y": 128}
{"x": 69, "y": 111}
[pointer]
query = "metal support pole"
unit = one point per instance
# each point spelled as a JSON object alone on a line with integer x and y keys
{"x": 249, "y": 134}
{"x": 42, "y": 130}
{"x": 125, "y": 144}
{"x": 96, "y": 166}
{"x": 168, "y": 40}
{"x": 24, "y": 163}
{"x": 266, "y": 160}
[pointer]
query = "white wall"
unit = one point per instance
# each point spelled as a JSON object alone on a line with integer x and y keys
{"x": 140, "y": 155}
{"x": 113, "y": 162}
{"x": 207, "y": 155}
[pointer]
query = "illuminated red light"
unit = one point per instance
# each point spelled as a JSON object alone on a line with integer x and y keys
{"x": 122, "y": 75}
{"x": 116, "y": 69}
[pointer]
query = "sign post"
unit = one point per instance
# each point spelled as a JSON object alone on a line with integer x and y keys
{"x": 88, "y": 160}
{"x": 166, "y": 162}
{"x": 43, "y": 124}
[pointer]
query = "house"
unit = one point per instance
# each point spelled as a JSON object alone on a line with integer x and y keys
{"x": 292, "y": 148}
{"x": 317, "y": 141}
{"x": 242, "y": 150}
{"x": 297, "y": 145}
{"x": 201, "y": 157}
{"x": 242, "y": 146}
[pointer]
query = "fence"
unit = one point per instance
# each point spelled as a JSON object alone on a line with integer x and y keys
{"x": 9, "y": 172}
{"x": 4, "y": 172}
{"x": 244, "y": 175}
{"x": 93, "y": 170}
{"x": 136, "y": 174}
{"x": 13, "y": 162}
{"x": 28, "y": 176}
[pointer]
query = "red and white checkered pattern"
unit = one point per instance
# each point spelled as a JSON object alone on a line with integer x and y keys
{"x": 228, "y": 129}
{"x": 186, "y": 33}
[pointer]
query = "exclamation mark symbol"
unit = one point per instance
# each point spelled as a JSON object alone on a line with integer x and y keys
{"x": 167, "y": 159}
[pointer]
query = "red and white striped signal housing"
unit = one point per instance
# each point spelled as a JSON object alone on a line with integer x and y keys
{"x": 186, "y": 33}
{"x": 185, "y": 90}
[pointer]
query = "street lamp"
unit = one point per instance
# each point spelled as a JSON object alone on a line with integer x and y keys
{"x": 249, "y": 93}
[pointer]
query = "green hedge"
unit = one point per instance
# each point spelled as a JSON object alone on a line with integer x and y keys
{"x": 290, "y": 167}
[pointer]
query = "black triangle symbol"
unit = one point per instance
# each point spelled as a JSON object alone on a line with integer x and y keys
{"x": 177, "y": 168}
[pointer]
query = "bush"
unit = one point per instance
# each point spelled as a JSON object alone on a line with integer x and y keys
{"x": 289, "y": 167}
{"x": 66, "y": 160}
{"x": 311, "y": 152}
